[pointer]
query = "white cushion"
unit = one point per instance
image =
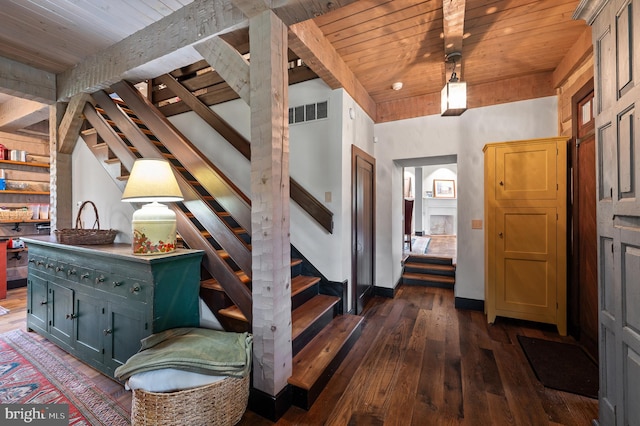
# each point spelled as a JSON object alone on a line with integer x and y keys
{"x": 169, "y": 380}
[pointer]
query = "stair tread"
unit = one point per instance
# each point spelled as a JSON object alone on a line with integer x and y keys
{"x": 212, "y": 284}
{"x": 429, "y": 277}
{"x": 432, "y": 266}
{"x": 233, "y": 312}
{"x": 305, "y": 315}
{"x": 310, "y": 363}
{"x": 300, "y": 283}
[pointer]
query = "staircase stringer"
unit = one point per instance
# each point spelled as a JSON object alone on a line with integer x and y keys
{"x": 215, "y": 265}
{"x": 200, "y": 209}
{"x": 301, "y": 196}
{"x": 209, "y": 176}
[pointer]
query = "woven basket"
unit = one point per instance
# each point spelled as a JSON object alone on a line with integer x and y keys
{"x": 19, "y": 215}
{"x": 81, "y": 236}
{"x": 221, "y": 403}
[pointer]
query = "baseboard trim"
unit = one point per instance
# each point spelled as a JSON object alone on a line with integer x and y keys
{"x": 268, "y": 406}
{"x": 469, "y": 304}
{"x": 336, "y": 288}
{"x": 384, "y": 292}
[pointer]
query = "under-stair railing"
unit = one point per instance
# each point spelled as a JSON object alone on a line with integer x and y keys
{"x": 213, "y": 263}
{"x": 301, "y": 196}
{"x": 197, "y": 164}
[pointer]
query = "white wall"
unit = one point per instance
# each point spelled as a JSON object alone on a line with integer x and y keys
{"x": 465, "y": 137}
{"x": 91, "y": 182}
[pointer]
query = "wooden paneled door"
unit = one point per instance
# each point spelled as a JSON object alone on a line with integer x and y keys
{"x": 363, "y": 191}
{"x": 616, "y": 36}
{"x": 583, "y": 285}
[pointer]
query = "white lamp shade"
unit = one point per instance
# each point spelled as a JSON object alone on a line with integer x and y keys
{"x": 151, "y": 179}
{"x": 453, "y": 100}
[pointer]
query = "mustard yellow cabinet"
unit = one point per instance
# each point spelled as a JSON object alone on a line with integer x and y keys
{"x": 525, "y": 235}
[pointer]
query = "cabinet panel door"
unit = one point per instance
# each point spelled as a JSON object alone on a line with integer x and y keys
{"x": 37, "y": 299}
{"x": 526, "y": 262}
{"x": 127, "y": 325}
{"x": 526, "y": 172}
{"x": 61, "y": 313}
{"x": 90, "y": 323}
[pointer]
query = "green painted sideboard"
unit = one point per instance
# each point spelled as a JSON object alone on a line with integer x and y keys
{"x": 98, "y": 302}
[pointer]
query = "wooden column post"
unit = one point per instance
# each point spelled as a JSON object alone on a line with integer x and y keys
{"x": 271, "y": 281}
{"x": 60, "y": 200}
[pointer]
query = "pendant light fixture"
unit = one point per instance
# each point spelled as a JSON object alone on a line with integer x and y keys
{"x": 453, "y": 100}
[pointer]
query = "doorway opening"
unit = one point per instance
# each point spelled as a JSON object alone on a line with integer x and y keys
{"x": 430, "y": 206}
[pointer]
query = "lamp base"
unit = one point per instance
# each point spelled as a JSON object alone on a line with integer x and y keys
{"x": 154, "y": 230}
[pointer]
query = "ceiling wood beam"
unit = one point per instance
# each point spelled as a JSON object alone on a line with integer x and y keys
{"x": 493, "y": 93}
{"x": 308, "y": 42}
{"x": 157, "y": 49}
{"x": 228, "y": 63}
{"x": 23, "y": 81}
{"x": 251, "y": 8}
{"x": 453, "y": 30}
{"x": 18, "y": 113}
{"x": 453, "y": 24}
{"x": 72, "y": 122}
{"x": 581, "y": 50}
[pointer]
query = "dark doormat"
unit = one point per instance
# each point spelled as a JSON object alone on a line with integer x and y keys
{"x": 562, "y": 366}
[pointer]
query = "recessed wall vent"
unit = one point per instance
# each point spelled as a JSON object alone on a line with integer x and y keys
{"x": 309, "y": 112}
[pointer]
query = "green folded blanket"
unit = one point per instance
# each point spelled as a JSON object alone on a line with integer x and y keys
{"x": 198, "y": 350}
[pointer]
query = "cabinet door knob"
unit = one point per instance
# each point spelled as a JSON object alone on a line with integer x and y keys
{"x": 117, "y": 283}
{"x": 501, "y": 183}
{"x": 71, "y": 272}
{"x": 100, "y": 279}
{"x": 500, "y": 234}
{"x": 135, "y": 289}
{"x": 44, "y": 302}
{"x": 59, "y": 268}
{"x": 107, "y": 331}
{"x": 71, "y": 316}
{"x": 85, "y": 275}
{"x": 49, "y": 265}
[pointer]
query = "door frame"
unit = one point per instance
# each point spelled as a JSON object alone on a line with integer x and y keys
{"x": 355, "y": 154}
{"x": 573, "y": 290}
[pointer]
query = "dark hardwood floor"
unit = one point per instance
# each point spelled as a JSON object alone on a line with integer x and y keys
{"x": 419, "y": 361}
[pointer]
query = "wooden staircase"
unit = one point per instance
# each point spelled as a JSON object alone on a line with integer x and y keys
{"x": 321, "y": 337}
{"x": 429, "y": 271}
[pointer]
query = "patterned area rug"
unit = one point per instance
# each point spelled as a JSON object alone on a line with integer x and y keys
{"x": 31, "y": 374}
{"x": 3, "y": 311}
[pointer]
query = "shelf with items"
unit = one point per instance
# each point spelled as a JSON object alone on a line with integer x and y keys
{"x": 25, "y": 163}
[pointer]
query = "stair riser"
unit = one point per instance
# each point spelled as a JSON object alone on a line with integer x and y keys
{"x": 304, "y": 296}
{"x": 451, "y": 273}
{"x": 305, "y": 399}
{"x": 308, "y": 334}
{"x": 426, "y": 283}
{"x": 432, "y": 260}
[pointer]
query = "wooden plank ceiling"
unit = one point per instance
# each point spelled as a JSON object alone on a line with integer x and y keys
{"x": 510, "y": 48}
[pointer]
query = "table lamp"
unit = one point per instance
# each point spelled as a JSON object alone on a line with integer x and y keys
{"x": 154, "y": 225}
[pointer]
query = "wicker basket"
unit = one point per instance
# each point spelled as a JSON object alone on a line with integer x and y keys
{"x": 81, "y": 236}
{"x": 19, "y": 215}
{"x": 221, "y": 403}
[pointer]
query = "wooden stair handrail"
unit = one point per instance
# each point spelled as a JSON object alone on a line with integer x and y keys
{"x": 216, "y": 183}
{"x": 304, "y": 198}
